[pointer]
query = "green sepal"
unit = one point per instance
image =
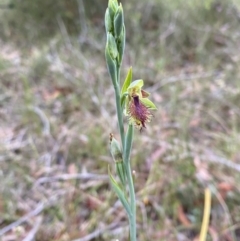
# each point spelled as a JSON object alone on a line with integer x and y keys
{"x": 127, "y": 82}
{"x": 136, "y": 84}
{"x": 111, "y": 65}
{"x": 119, "y": 192}
{"x": 148, "y": 103}
{"x": 118, "y": 21}
{"x": 108, "y": 22}
{"x": 112, "y": 46}
{"x": 121, "y": 45}
{"x": 121, "y": 172}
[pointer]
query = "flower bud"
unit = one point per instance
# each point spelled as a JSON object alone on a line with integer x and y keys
{"x": 112, "y": 6}
{"x": 111, "y": 65}
{"x": 115, "y": 149}
{"x": 118, "y": 21}
{"x": 108, "y": 22}
{"x": 112, "y": 46}
{"x": 121, "y": 45}
{"x": 117, "y": 156}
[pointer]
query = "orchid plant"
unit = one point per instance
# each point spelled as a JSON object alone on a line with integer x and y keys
{"x": 131, "y": 101}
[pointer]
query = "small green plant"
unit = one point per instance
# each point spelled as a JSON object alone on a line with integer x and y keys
{"x": 131, "y": 101}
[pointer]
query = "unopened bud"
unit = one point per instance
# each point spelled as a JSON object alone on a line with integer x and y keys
{"x": 111, "y": 65}
{"x": 118, "y": 21}
{"x": 115, "y": 149}
{"x": 112, "y": 6}
{"x": 117, "y": 157}
{"x": 121, "y": 45}
{"x": 108, "y": 22}
{"x": 112, "y": 46}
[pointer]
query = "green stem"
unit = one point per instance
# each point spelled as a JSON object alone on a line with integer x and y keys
{"x": 127, "y": 151}
{"x": 119, "y": 108}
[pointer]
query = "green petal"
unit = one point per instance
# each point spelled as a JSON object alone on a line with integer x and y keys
{"x": 148, "y": 103}
{"x": 127, "y": 81}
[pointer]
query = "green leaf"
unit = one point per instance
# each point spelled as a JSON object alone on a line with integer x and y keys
{"x": 148, "y": 103}
{"x": 127, "y": 82}
{"x": 136, "y": 83}
{"x": 119, "y": 193}
{"x": 121, "y": 172}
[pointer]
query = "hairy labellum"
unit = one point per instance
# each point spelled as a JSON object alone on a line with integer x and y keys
{"x": 138, "y": 112}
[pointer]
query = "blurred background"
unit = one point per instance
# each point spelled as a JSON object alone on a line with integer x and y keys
{"x": 57, "y": 110}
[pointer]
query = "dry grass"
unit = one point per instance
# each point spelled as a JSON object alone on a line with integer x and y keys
{"x": 57, "y": 110}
